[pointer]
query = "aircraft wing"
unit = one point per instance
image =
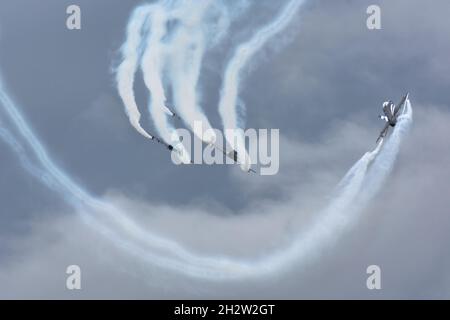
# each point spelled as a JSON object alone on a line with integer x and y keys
{"x": 400, "y": 105}
{"x": 383, "y": 132}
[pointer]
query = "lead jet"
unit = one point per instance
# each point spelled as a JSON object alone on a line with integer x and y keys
{"x": 391, "y": 113}
{"x": 170, "y": 112}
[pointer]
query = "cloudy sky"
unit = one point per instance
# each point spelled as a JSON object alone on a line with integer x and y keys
{"x": 321, "y": 82}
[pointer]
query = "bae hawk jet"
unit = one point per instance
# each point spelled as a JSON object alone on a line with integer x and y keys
{"x": 234, "y": 156}
{"x": 391, "y": 113}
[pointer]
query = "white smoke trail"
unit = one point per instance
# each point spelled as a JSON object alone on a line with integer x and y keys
{"x": 187, "y": 49}
{"x": 152, "y": 63}
{"x": 362, "y": 182}
{"x": 125, "y": 233}
{"x": 127, "y": 69}
{"x": 243, "y": 54}
{"x": 18, "y": 149}
{"x": 383, "y": 165}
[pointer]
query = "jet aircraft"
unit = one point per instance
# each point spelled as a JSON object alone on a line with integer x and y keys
{"x": 391, "y": 113}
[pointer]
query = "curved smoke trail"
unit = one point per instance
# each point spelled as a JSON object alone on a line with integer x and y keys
{"x": 110, "y": 221}
{"x": 230, "y": 90}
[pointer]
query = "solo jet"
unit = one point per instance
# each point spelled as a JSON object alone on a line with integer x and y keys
{"x": 170, "y": 112}
{"x": 168, "y": 146}
{"x": 234, "y": 156}
{"x": 391, "y": 113}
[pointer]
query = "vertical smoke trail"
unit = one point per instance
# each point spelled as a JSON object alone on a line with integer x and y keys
{"x": 63, "y": 183}
{"x": 187, "y": 49}
{"x": 243, "y": 54}
{"x": 127, "y": 69}
{"x": 383, "y": 165}
{"x": 152, "y": 64}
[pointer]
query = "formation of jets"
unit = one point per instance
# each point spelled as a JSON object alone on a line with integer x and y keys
{"x": 232, "y": 155}
{"x": 391, "y": 113}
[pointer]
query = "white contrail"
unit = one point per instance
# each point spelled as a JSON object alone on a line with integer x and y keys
{"x": 127, "y": 69}
{"x": 230, "y": 90}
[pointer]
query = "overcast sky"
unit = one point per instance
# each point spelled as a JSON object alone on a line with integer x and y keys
{"x": 322, "y": 84}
